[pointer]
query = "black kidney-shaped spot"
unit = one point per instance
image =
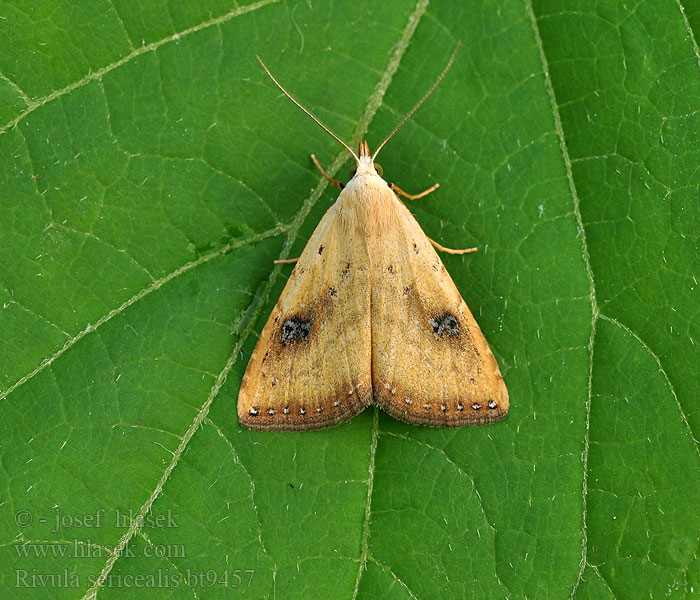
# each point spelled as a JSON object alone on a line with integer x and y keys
{"x": 445, "y": 324}
{"x": 295, "y": 330}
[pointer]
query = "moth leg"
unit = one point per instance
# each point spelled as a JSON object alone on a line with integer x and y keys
{"x": 451, "y": 250}
{"x": 399, "y": 192}
{"x": 289, "y": 261}
{"x": 326, "y": 175}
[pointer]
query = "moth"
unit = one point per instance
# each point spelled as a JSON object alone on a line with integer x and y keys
{"x": 370, "y": 315}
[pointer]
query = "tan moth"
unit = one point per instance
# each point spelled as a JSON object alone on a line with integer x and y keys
{"x": 370, "y": 316}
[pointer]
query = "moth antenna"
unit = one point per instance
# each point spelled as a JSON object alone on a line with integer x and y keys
{"x": 417, "y": 106}
{"x": 286, "y": 93}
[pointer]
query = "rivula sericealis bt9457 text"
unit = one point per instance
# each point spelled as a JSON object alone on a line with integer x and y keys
{"x": 370, "y": 315}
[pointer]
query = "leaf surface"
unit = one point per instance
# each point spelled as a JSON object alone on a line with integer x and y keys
{"x": 150, "y": 176}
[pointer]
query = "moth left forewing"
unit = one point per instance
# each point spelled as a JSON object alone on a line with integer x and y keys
{"x": 431, "y": 365}
{"x": 311, "y": 368}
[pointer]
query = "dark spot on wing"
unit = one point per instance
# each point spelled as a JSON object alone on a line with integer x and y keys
{"x": 332, "y": 292}
{"x": 346, "y": 272}
{"x": 390, "y": 268}
{"x": 295, "y": 330}
{"x": 445, "y": 324}
{"x": 415, "y": 248}
{"x": 320, "y": 249}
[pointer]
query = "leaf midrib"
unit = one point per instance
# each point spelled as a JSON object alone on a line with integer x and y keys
{"x": 559, "y": 129}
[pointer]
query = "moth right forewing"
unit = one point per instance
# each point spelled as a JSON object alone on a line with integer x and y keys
{"x": 431, "y": 364}
{"x": 311, "y": 365}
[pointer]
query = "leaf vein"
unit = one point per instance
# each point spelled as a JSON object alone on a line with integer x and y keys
{"x": 591, "y": 282}
{"x": 146, "y": 507}
{"x": 667, "y": 379}
{"x": 154, "y": 286}
{"x": 387, "y": 569}
{"x": 237, "y": 461}
{"x": 99, "y": 73}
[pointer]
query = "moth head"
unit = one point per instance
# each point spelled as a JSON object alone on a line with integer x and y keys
{"x": 365, "y": 163}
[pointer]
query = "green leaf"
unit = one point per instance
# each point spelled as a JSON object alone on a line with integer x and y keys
{"x": 151, "y": 174}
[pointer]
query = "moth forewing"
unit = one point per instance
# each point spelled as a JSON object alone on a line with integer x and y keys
{"x": 311, "y": 366}
{"x": 431, "y": 364}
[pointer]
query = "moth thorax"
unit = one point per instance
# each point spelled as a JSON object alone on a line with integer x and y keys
{"x": 367, "y": 206}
